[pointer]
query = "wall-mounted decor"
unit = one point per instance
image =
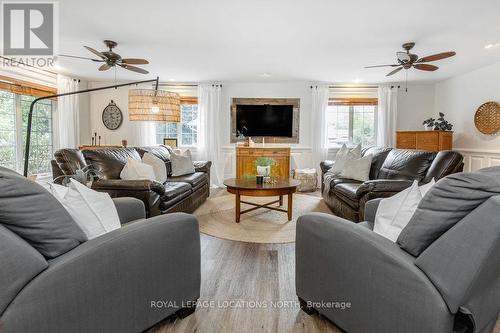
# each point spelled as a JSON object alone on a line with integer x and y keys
{"x": 487, "y": 118}
{"x": 172, "y": 143}
{"x": 112, "y": 116}
{"x": 273, "y": 120}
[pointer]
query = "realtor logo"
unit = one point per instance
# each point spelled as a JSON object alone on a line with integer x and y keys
{"x": 28, "y": 28}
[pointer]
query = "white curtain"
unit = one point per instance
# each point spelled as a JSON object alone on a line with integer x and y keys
{"x": 319, "y": 96}
{"x": 209, "y": 149}
{"x": 386, "y": 116}
{"x": 68, "y": 110}
{"x": 142, "y": 133}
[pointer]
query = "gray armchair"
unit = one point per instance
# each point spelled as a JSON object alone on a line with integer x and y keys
{"x": 363, "y": 282}
{"x": 124, "y": 281}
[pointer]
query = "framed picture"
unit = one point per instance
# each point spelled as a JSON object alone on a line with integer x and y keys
{"x": 170, "y": 142}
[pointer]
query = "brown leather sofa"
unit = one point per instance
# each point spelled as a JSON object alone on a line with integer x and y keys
{"x": 178, "y": 194}
{"x": 392, "y": 171}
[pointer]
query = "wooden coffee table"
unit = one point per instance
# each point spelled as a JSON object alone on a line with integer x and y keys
{"x": 249, "y": 187}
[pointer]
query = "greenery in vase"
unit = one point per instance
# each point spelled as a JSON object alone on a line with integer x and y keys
{"x": 439, "y": 125}
{"x": 265, "y": 161}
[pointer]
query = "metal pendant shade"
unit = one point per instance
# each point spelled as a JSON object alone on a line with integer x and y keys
{"x": 153, "y": 105}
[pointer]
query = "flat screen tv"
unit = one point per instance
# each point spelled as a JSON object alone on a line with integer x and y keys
{"x": 264, "y": 120}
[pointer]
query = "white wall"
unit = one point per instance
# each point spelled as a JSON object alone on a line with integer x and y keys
{"x": 414, "y": 106}
{"x": 458, "y": 98}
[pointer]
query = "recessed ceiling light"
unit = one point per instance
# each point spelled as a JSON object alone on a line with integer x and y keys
{"x": 171, "y": 80}
{"x": 266, "y": 74}
{"x": 490, "y": 46}
{"x": 357, "y": 80}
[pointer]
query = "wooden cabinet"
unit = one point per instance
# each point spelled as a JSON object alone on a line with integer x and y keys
{"x": 245, "y": 157}
{"x": 424, "y": 140}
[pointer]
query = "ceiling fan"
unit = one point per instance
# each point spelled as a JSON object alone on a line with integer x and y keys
{"x": 408, "y": 60}
{"x": 111, "y": 59}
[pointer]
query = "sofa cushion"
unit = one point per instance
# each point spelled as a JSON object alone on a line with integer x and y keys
{"x": 444, "y": 164}
{"x": 347, "y": 191}
{"x": 446, "y": 203}
{"x": 20, "y": 263}
{"x": 406, "y": 164}
{"x": 194, "y": 179}
{"x": 69, "y": 160}
{"x": 178, "y": 189}
{"x": 379, "y": 154}
{"x": 31, "y": 212}
{"x": 110, "y": 161}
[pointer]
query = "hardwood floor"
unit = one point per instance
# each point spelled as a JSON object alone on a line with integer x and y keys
{"x": 250, "y": 275}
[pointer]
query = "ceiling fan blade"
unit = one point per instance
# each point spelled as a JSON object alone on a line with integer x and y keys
{"x": 78, "y": 57}
{"x": 438, "y": 56}
{"x": 97, "y": 53}
{"x": 425, "y": 67}
{"x": 104, "y": 67}
{"x": 395, "y": 71}
{"x": 134, "y": 69}
{"x": 135, "y": 61}
{"x": 382, "y": 66}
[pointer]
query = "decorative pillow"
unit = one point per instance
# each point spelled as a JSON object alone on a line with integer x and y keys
{"x": 182, "y": 164}
{"x": 448, "y": 202}
{"x": 159, "y": 168}
{"x": 394, "y": 213}
{"x": 357, "y": 169}
{"x": 31, "y": 212}
{"x": 342, "y": 156}
{"x": 93, "y": 211}
{"x": 134, "y": 170}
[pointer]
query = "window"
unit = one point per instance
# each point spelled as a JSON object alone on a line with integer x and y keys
{"x": 351, "y": 121}
{"x": 186, "y": 132}
{"x": 14, "y": 109}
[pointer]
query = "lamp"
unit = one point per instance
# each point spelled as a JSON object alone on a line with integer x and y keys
{"x": 153, "y": 105}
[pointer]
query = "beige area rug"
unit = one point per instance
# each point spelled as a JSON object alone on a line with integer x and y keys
{"x": 217, "y": 218}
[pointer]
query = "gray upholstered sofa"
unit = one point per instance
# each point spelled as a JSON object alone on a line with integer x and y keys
{"x": 124, "y": 281}
{"x": 364, "y": 282}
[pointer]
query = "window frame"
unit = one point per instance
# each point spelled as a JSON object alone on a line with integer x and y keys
{"x": 351, "y": 102}
{"x": 20, "y": 88}
{"x": 185, "y": 100}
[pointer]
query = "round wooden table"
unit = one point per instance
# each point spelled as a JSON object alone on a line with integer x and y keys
{"x": 249, "y": 187}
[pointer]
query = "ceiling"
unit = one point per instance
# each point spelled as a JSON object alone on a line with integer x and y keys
{"x": 314, "y": 40}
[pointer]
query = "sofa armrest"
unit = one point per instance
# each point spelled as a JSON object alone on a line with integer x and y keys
{"x": 129, "y": 209}
{"x": 326, "y": 165}
{"x": 113, "y": 282}
{"x": 202, "y": 166}
{"x": 337, "y": 260}
{"x": 128, "y": 185}
{"x": 371, "y": 210}
{"x": 382, "y": 185}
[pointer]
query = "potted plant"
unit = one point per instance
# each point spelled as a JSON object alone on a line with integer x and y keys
{"x": 429, "y": 124}
{"x": 438, "y": 125}
{"x": 264, "y": 165}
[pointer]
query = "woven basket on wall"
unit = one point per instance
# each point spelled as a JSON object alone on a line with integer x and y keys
{"x": 487, "y": 118}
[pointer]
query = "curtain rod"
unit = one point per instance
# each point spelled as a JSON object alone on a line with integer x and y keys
{"x": 30, "y": 114}
{"x": 354, "y": 87}
{"x": 177, "y": 85}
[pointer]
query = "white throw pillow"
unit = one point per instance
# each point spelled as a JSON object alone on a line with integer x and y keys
{"x": 394, "y": 213}
{"x": 342, "y": 156}
{"x": 182, "y": 164}
{"x": 358, "y": 169}
{"x": 135, "y": 170}
{"x": 94, "y": 212}
{"x": 159, "y": 168}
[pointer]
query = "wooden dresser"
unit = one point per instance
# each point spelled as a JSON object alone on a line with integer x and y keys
{"x": 245, "y": 157}
{"x": 424, "y": 140}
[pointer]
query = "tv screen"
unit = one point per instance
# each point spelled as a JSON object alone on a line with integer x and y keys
{"x": 264, "y": 120}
